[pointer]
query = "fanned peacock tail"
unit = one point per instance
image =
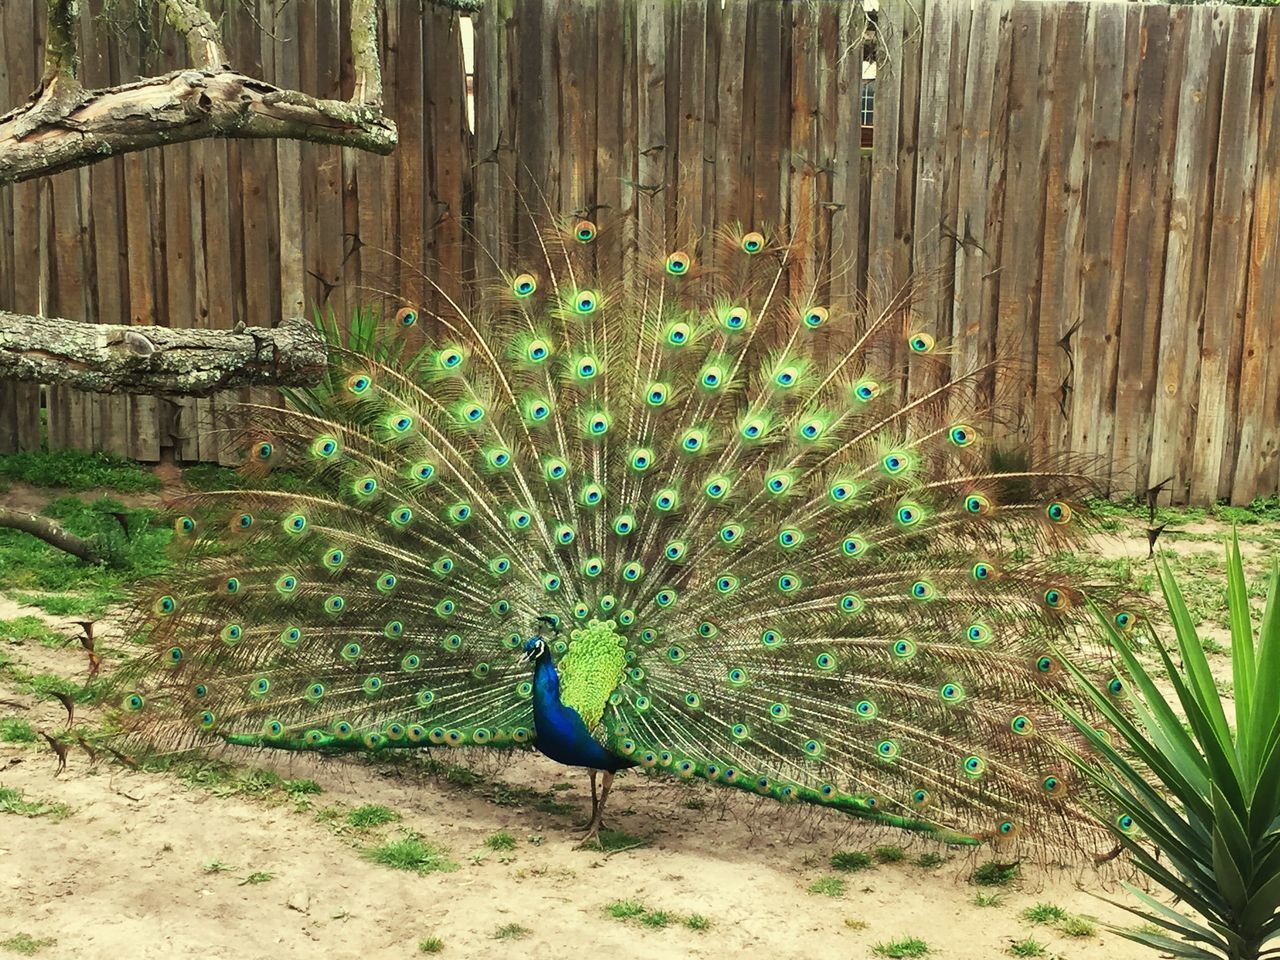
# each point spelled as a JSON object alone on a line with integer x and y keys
{"x": 767, "y": 564}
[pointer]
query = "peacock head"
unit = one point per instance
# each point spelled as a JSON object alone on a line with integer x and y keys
{"x": 535, "y": 648}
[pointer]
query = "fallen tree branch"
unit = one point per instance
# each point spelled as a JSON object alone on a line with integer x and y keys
{"x": 164, "y": 361}
{"x": 50, "y": 533}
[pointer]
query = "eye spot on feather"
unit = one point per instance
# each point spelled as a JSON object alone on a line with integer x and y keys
{"x": 1022, "y": 725}
{"x": 1007, "y": 829}
{"x": 753, "y": 242}
{"x": 735, "y": 319}
{"x": 592, "y": 567}
{"x": 598, "y": 424}
{"x": 586, "y": 302}
{"x": 771, "y": 638}
{"x": 231, "y": 634}
{"x": 853, "y": 546}
{"x": 666, "y": 499}
{"x": 679, "y": 334}
{"x": 866, "y": 710}
{"x": 406, "y": 316}
{"x": 657, "y": 394}
{"x": 498, "y": 458}
{"x": 909, "y": 514}
{"x": 678, "y": 263}
{"x": 851, "y": 604}
{"x": 675, "y": 551}
{"x": 977, "y": 504}
{"x": 165, "y": 606}
{"x": 550, "y": 582}
{"x": 982, "y": 571}
{"x": 624, "y": 524}
{"x": 519, "y": 519}
{"x": 174, "y": 656}
{"x": 343, "y": 730}
{"x": 815, "y": 317}
{"x": 184, "y": 526}
{"x": 842, "y": 491}
{"x": 962, "y": 435}
{"x": 1123, "y": 621}
{"x": 263, "y": 450}
{"x": 1058, "y": 512}
{"x": 788, "y": 583}
{"x": 665, "y": 597}
{"x": 923, "y": 590}
{"x": 779, "y": 712}
{"x": 825, "y": 662}
{"x": 1056, "y": 599}
{"x": 207, "y": 720}
{"x": 364, "y": 487}
{"x": 895, "y": 463}
{"x": 359, "y": 384}
{"x": 272, "y": 729}
{"x": 1116, "y": 688}
{"x": 866, "y": 390}
{"x": 951, "y": 693}
{"x": 1046, "y": 665}
{"x": 641, "y": 459}
{"x": 903, "y": 649}
{"x": 400, "y": 423}
{"x": 401, "y": 516}
{"x": 738, "y": 677}
{"x": 787, "y": 377}
{"x": 887, "y": 750}
{"x": 921, "y": 343}
{"x": 524, "y": 285}
{"x": 978, "y": 634}
{"x": 450, "y": 358}
{"x": 1126, "y": 824}
{"x": 727, "y": 583}
{"x": 790, "y": 538}
{"x": 1053, "y": 786}
{"x": 814, "y": 749}
{"x": 290, "y": 636}
{"x": 717, "y": 488}
{"x": 334, "y": 604}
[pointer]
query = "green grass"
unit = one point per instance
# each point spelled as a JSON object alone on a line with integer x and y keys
{"x": 988, "y": 899}
{"x": 853, "y": 923}
{"x": 828, "y": 886}
{"x": 41, "y": 576}
{"x": 656, "y": 919}
{"x": 371, "y": 815}
{"x": 929, "y": 860}
{"x": 511, "y": 931}
{"x": 21, "y": 629}
{"x": 1044, "y": 913}
{"x": 851, "y": 861}
{"x": 12, "y": 801}
{"x": 410, "y": 853}
{"x": 904, "y": 947}
{"x": 26, "y": 945}
{"x": 13, "y": 730}
{"x": 626, "y": 909}
{"x": 1078, "y": 927}
{"x": 992, "y": 874}
{"x": 217, "y": 866}
{"x": 1027, "y": 948}
{"x": 77, "y": 470}
{"x": 500, "y": 841}
{"x": 889, "y": 854}
{"x": 210, "y": 476}
{"x": 430, "y": 945}
{"x": 610, "y": 840}
{"x": 257, "y": 877}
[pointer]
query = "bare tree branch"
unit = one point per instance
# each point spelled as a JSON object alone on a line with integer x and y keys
{"x": 62, "y": 126}
{"x": 158, "y": 361}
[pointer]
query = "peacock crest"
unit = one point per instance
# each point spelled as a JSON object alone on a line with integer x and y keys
{"x": 767, "y": 544}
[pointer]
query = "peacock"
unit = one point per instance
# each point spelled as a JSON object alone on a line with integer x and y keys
{"x": 691, "y": 521}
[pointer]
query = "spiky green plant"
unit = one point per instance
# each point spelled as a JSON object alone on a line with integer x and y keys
{"x": 1196, "y": 805}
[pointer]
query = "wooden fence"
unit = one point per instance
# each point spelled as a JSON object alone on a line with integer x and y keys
{"x": 1099, "y": 184}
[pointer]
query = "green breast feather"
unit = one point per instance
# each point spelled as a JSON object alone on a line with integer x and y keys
{"x": 590, "y": 669}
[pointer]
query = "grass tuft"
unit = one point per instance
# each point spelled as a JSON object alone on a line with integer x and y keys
{"x": 371, "y": 815}
{"x": 1027, "y": 948}
{"x": 851, "y": 861}
{"x": 257, "y": 877}
{"x": 511, "y": 931}
{"x": 828, "y": 886}
{"x": 889, "y": 854}
{"x": 929, "y": 860}
{"x": 410, "y": 853}
{"x": 430, "y": 945}
{"x": 1044, "y": 913}
{"x": 904, "y": 947}
{"x": 13, "y": 730}
{"x": 500, "y": 841}
{"x": 696, "y": 921}
{"x": 626, "y": 909}
{"x": 12, "y": 801}
{"x": 988, "y": 899}
{"x": 1078, "y": 927}
{"x": 992, "y": 874}
{"x": 657, "y": 919}
{"x": 26, "y": 945}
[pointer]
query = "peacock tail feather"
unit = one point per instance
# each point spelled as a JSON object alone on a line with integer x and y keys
{"x": 767, "y": 562}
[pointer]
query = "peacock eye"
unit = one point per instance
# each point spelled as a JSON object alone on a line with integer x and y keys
{"x": 524, "y": 285}
{"x": 753, "y": 242}
{"x": 815, "y": 317}
{"x": 584, "y": 231}
{"x": 406, "y": 316}
{"x": 586, "y": 301}
{"x": 678, "y": 263}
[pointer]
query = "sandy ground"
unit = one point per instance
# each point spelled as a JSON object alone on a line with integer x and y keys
{"x": 145, "y": 865}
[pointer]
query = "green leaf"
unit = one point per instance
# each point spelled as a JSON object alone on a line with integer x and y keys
{"x": 1243, "y": 666}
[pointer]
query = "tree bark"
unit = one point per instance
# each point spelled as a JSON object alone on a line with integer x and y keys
{"x": 49, "y": 532}
{"x": 177, "y": 107}
{"x": 163, "y": 361}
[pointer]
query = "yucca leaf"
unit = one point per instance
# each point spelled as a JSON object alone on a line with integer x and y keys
{"x": 1243, "y": 666}
{"x": 1266, "y": 692}
{"x": 1194, "y": 662}
{"x": 1165, "y": 916}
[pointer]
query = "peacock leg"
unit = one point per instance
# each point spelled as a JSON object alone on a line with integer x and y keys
{"x": 597, "y": 806}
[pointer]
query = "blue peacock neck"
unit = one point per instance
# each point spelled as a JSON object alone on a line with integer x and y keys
{"x": 561, "y": 733}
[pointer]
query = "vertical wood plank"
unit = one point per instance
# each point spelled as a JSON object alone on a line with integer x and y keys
{"x": 840, "y": 120}
{"x": 651, "y": 132}
{"x": 1224, "y": 305}
{"x": 1186, "y": 259}
{"x": 448, "y": 154}
{"x": 615, "y": 122}
{"x": 1057, "y": 371}
{"x": 1257, "y": 470}
{"x": 1113, "y": 80}
{"x": 732, "y": 192}
{"x": 688, "y": 171}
